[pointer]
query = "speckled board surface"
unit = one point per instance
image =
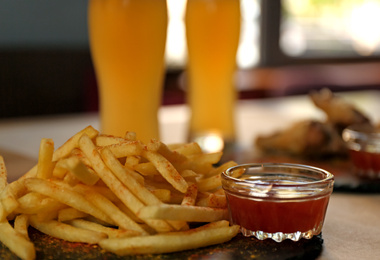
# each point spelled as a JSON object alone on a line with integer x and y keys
{"x": 238, "y": 248}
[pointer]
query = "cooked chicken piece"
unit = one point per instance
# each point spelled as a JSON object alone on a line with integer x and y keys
{"x": 339, "y": 112}
{"x": 307, "y": 138}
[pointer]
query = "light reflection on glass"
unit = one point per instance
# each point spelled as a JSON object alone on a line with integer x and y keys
{"x": 210, "y": 142}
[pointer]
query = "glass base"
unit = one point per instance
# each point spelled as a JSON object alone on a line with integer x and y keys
{"x": 278, "y": 236}
{"x": 212, "y": 141}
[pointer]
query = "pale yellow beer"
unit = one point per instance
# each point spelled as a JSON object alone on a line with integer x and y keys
{"x": 212, "y": 31}
{"x": 127, "y": 42}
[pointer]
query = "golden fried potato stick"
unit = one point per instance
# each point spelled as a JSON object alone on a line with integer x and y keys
{"x": 79, "y": 170}
{"x": 105, "y": 140}
{"x": 65, "y": 196}
{"x": 146, "y": 169}
{"x": 210, "y": 234}
{"x": 71, "y": 143}
{"x": 164, "y": 150}
{"x": 67, "y": 232}
{"x": 16, "y": 242}
{"x": 187, "y": 148}
{"x": 190, "y": 196}
{"x": 21, "y": 224}
{"x": 45, "y": 163}
{"x": 218, "y": 170}
{"x": 68, "y": 214}
{"x": 185, "y": 213}
{"x": 210, "y": 183}
{"x": 3, "y": 174}
{"x": 126, "y": 149}
{"x": 111, "y": 232}
{"x": 167, "y": 170}
{"x": 213, "y": 200}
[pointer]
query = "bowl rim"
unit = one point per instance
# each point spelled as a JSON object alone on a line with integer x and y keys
{"x": 329, "y": 177}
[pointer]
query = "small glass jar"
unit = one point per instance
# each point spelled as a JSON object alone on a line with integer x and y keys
{"x": 363, "y": 143}
{"x": 278, "y": 200}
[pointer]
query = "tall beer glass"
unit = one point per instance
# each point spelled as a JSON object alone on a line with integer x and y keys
{"x": 212, "y": 30}
{"x": 127, "y": 42}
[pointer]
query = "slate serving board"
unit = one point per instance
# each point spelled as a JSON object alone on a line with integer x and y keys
{"x": 238, "y": 248}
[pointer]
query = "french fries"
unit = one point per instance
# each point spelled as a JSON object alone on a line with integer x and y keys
{"x": 117, "y": 192}
{"x": 172, "y": 242}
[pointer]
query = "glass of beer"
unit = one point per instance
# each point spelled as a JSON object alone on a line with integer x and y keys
{"x": 127, "y": 42}
{"x": 212, "y": 31}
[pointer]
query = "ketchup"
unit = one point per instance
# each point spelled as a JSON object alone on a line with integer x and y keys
{"x": 278, "y": 215}
{"x": 365, "y": 160}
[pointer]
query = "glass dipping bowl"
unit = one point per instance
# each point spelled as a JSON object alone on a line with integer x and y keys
{"x": 277, "y": 200}
{"x": 363, "y": 143}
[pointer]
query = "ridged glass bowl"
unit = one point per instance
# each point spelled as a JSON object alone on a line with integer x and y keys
{"x": 363, "y": 142}
{"x": 277, "y": 200}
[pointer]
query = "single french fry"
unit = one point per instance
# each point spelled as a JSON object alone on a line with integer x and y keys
{"x": 16, "y": 242}
{"x": 164, "y": 150}
{"x": 72, "y": 142}
{"x": 111, "y": 232}
{"x": 105, "y": 140}
{"x": 65, "y": 196}
{"x": 70, "y": 179}
{"x": 79, "y": 153}
{"x": 167, "y": 170}
{"x": 163, "y": 195}
{"x": 67, "y": 214}
{"x": 9, "y": 203}
{"x": 206, "y": 158}
{"x": 126, "y": 149}
{"x": 172, "y": 242}
{"x": 210, "y": 183}
{"x": 59, "y": 172}
{"x": 21, "y": 224}
{"x": 213, "y": 200}
{"x": 187, "y": 149}
{"x": 67, "y": 232}
{"x": 146, "y": 169}
{"x": 8, "y": 198}
{"x": 190, "y": 196}
{"x": 130, "y": 136}
{"x": 79, "y": 170}
{"x": 221, "y": 168}
{"x": 185, "y": 213}
{"x": 45, "y": 164}
{"x": 132, "y": 161}
{"x": 201, "y": 163}
{"x": 3, "y": 174}
{"x": 190, "y": 175}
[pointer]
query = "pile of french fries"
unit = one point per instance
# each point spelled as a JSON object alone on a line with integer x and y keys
{"x": 119, "y": 193}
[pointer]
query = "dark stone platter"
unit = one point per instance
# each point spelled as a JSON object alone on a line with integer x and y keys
{"x": 238, "y": 248}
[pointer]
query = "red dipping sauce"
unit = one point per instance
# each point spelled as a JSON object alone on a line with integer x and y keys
{"x": 363, "y": 142}
{"x": 277, "y": 215}
{"x": 278, "y": 201}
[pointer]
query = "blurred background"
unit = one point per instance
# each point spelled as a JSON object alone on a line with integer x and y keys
{"x": 287, "y": 47}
